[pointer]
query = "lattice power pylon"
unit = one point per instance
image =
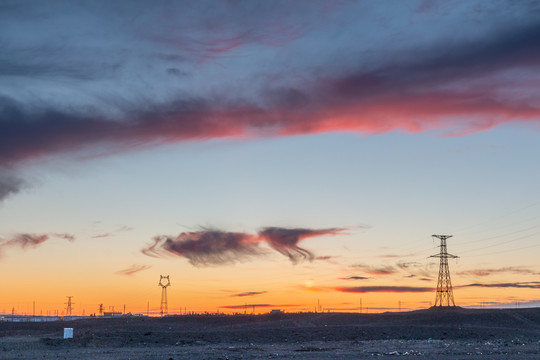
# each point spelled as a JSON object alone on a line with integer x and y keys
{"x": 445, "y": 295}
{"x": 164, "y": 282}
{"x": 68, "y": 306}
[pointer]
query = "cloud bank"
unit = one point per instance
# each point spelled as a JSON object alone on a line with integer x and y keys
{"x": 214, "y": 71}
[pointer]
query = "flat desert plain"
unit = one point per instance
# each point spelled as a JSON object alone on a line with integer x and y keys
{"x": 452, "y": 333}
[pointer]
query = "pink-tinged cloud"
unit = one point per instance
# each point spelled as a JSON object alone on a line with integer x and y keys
{"x": 383, "y": 289}
{"x": 213, "y": 247}
{"x": 25, "y": 241}
{"x": 28, "y": 241}
{"x": 133, "y": 269}
{"x": 454, "y": 87}
{"x": 325, "y": 258}
{"x": 99, "y": 236}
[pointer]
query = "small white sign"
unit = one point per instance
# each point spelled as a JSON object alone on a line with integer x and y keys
{"x": 68, "y": 333}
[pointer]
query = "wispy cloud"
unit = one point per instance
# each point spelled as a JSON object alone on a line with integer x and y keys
{"x": 384, "y": 289}
{"x": 376, "y": 270}
{"x": 133, "y": 269}
{"x": 355, "y": 278}
{"x": 285, "y": 240}
{"x": 390, "y": 256}
{"x": 214, "y": 247}
{"x": 508, "y": 269}
{"x": 28, "y": 241}
{"x": 516, "y": 285}
{"x": 99, "y": 236}
{"x": 110, "y": 234}
{"x": 249, "y": 293}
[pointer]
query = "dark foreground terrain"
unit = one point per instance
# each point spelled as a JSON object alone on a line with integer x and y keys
{"x": 427, "y": 334}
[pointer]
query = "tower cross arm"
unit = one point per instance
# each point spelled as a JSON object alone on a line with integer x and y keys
{"x": 448, "y": 256}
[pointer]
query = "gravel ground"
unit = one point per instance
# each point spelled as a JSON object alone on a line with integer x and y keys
{"x": 428, "y": 334}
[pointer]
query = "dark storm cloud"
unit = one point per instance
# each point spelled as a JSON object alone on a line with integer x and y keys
{"x": 389, "y": 289}
{"x": 213, "y": 247}
{"x": 133, "y": 269}
{"x": 249, "y": 293}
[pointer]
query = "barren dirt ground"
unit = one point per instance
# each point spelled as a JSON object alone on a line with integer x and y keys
{"x": 427, "y": 334}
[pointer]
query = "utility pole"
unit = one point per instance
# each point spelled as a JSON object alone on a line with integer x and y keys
{"x": 444, "y": 295}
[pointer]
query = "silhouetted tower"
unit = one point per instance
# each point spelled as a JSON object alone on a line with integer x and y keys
{"x": 164, "y": 282}
{"x": 445, "y": 295}
{"x": 68, "y": 307}
{"x": 100, "y": 309}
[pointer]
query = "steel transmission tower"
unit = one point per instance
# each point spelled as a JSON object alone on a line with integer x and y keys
{"x": 445, "y": 295}
{"x": 164, "y": 282}
{"x": 68, "y": 307}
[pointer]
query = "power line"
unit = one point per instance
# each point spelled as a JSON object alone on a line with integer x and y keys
{"x": 505, "y": 251}
{"x": 499, "y": 217}
{"x": 498, "y": 236}
{"x": 501, "y": 243}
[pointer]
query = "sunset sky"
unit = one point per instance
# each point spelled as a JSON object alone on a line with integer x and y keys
{"x": 268, "y": 154}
